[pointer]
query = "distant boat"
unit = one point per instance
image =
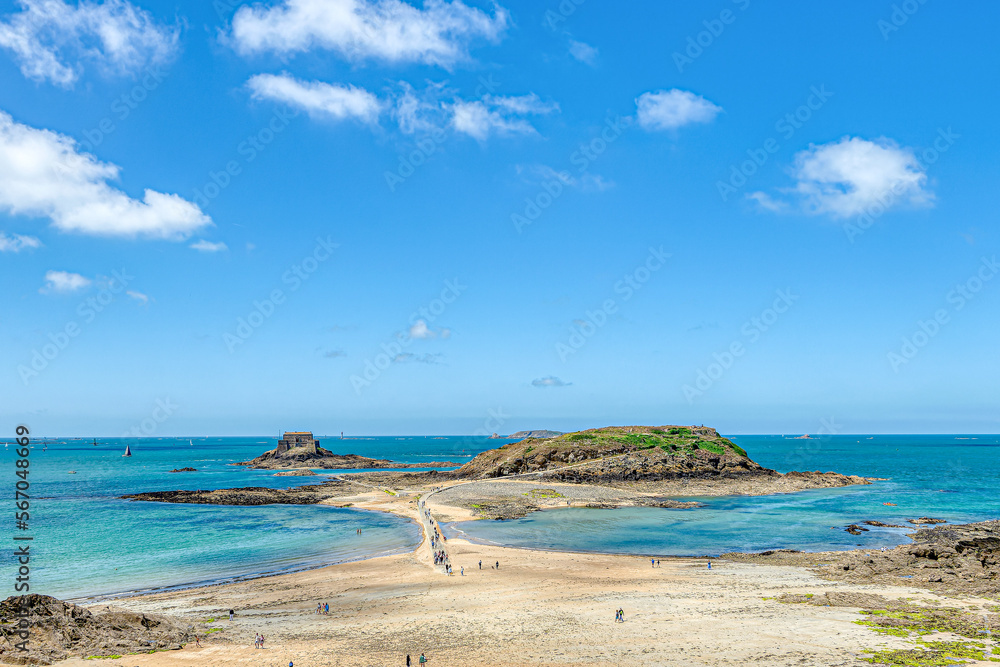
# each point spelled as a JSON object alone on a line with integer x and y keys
{"x": 71, "y": 472}
{"x": 191, "y": 442}
{"x": 128, "y": 451}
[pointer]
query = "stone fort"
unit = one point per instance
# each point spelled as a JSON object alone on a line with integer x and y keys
{"x": 297, "y": 439}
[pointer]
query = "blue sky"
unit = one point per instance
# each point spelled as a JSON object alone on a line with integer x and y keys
{"x": 461, "y": 217}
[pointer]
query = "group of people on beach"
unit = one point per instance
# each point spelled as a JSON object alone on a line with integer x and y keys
{"x": 258, "y": 640}
{"x": 421, "y": 661}
{"x": 620, "y": 615}
{"x": 323, "y": 608}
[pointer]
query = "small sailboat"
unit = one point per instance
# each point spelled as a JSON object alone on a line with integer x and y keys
{"x": 191, "y": 442}
{"x": 128, "y": 451}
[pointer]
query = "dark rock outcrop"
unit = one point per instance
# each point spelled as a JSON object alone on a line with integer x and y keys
{"x": 250, "y": 495}
{"x": 952, "y": 559}
{"x": 60, "y": 630}
{"x": 301, "y": 457}
{"x": 184, "y": 470}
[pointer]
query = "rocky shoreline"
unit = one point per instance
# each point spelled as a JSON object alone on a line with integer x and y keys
{"x": 61, "y": 630}
{"x": 325, "y": 459}
{"x": 309, "y": 494}
{"x": 959, "y": 559}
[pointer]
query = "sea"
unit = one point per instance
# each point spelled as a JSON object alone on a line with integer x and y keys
{"x": 90, "y": 544}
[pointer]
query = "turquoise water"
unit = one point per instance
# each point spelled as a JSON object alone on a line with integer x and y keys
{"x": 949, "y": 477}
{"x": 89, "y": 543}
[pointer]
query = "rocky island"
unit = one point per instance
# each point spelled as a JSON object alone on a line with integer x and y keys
{"x": 645, "y": 456}
{"x": 297, "y": 450}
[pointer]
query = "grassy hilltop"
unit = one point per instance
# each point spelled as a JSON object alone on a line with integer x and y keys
{"x": 619, "y": 453}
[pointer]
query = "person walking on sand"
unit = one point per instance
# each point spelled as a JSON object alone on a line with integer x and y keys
{"x": 423, "y": 660}
{"x": 621, "y": 614}
{"x": 480, "y": 564}
{"x": 407, "y": 660}
{"x": 326, "y": 609}
{"x": 231, "y": 614}
{"x": 498, "y": 565}
{"x": 652, "y": 562}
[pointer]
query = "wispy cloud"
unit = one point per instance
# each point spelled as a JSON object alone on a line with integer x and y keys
{"x": 334, "y": 354}
{"x": 846, "y": 177}
{"x": 409, "y": 357}
{"x": 43, "y": 174}
{"x": 63, "y": 282}
{"x": 498, "y": 115}
{"x": 588, "y": 182}
{"x": 17, "y": 242}
{"x": 202, "y": 245}
{"x": 318, "y": 99}
{"x": 671, "y": 109}
{"x": 50, "y": 39}
{"x": 585, "y": 53}
{"x": 439, "y": 33}
{"x": 549, "y": 381}
{"x": 138, "y": 296}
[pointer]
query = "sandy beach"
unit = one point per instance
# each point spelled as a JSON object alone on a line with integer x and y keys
{"x": 539, "y": 608}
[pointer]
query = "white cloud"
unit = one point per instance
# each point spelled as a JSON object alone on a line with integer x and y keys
{"x": 844, "y": 178}
{"x": 671, "y": 109}
{"x": 420, "y": 330}
{"x": 388, "y": 30}
{"x": 63, "y": 282}
{"x": 17, "y": 242}
{"x": 549, "y": 381}
{"x": 585, "y": 53}
{"x": 202, "y": 245}
{"x": 50, "y": 39}
{"x": 316, "y": 98}
{"x": 498, "y": 115}
{"x": 42, "y": 174}
{"x": 138, "y": 296}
